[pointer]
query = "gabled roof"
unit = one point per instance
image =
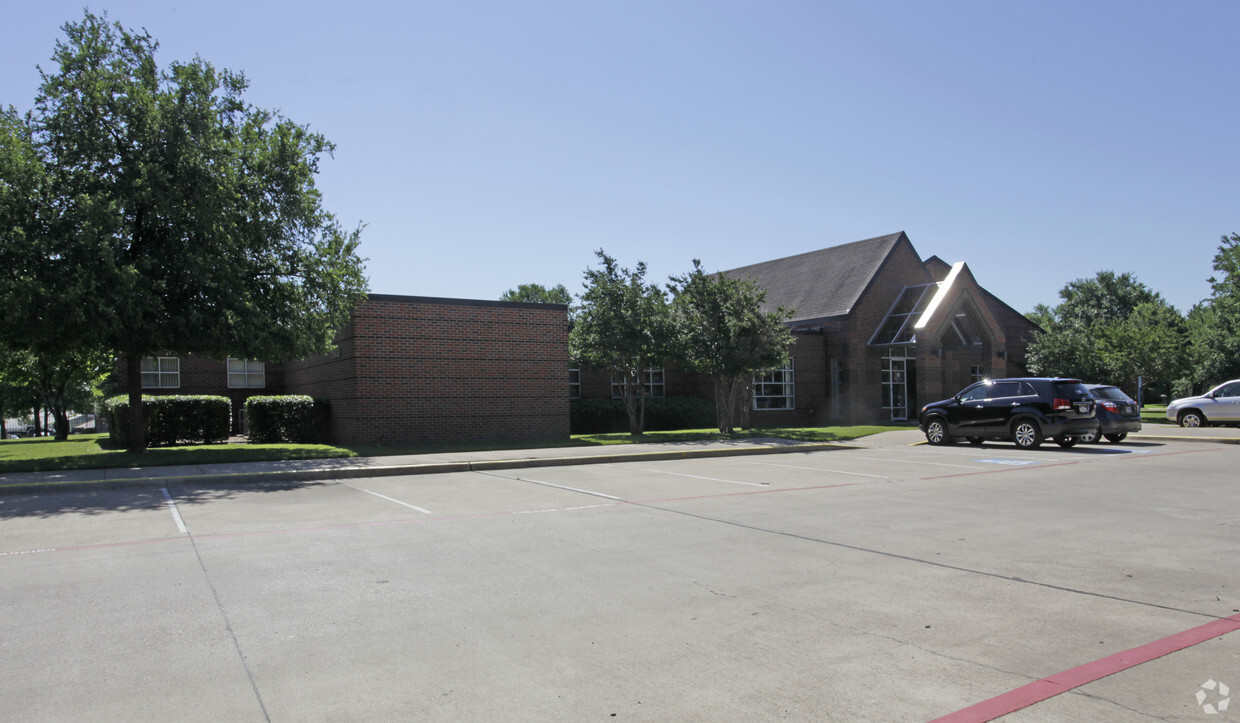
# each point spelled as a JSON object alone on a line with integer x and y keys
{"x": 937, "y": 268}
{"x": 825, "y": 283}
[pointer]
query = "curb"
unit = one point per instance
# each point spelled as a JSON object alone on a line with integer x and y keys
{"x": 318, "y": 475}
{"x": 1186, "y": 438}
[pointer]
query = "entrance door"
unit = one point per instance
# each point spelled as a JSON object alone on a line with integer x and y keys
{"x": 898, "y": 371}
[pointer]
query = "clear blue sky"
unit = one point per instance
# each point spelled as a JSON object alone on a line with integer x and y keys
{"x": 491, "y": 144}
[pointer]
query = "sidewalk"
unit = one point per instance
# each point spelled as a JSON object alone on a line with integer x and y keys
{"x": 356, "y": 467}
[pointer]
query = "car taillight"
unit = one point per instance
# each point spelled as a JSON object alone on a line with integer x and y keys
{"x": 1109, "y": 406}
{"x": 1061, "y": 404}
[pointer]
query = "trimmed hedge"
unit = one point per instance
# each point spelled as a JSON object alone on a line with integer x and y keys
{"x": 288, "y": 418}
{"x": 172, "y": 419}
{"x": 603, "y": 416}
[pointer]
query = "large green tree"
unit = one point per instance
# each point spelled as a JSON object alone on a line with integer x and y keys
{"x": 722, "y": 332}
{"x": 155, "y": 210}
{"x": 1110, "y": 329}
{"x": 67, "y": 380}
{"x": 1214, "y": 324}
{"x": 539, "y": 294}
{"x": 622, "y": 327}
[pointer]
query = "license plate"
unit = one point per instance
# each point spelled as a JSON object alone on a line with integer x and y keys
{"x": 1082, "y": 407}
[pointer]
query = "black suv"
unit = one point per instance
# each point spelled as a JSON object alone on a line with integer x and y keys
{"x": 1025, "y": 411}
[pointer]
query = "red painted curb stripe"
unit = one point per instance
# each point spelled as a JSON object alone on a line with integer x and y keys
{"x": 1052, "y": 686}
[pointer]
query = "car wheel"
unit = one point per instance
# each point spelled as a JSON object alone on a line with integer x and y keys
{"x": 936, "y": 432}
{"x": 1066, "y": 442}
{"x": 976, "y": 441}
{"x": 1116, "y": 438}
{"x": 1027, "y": 434}
{"x": 1193, "y": 418}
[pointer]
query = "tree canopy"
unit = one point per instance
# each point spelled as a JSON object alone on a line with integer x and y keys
{"x": 148, "y": 210}
{"x": 1214, "y": 324}
{"x": 539, "y": 294}
{"x": 622, "y": 327}
{"x": 1110, "y": 329}
{"x": 722, "y": 332}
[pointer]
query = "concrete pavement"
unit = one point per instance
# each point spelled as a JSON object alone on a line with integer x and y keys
{"x": 358, "y": 467}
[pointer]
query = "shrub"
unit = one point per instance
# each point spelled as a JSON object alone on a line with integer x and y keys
{"x": 603, "y": 416}
{"x": 172, "y": 419}
{"x": 290, "y": 418}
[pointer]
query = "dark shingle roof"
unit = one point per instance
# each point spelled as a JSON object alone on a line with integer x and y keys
{"x": 824, "y": 283}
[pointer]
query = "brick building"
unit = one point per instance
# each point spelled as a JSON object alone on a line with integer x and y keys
{"x": 877, "y": 333}
{"x": 411, "y": 369}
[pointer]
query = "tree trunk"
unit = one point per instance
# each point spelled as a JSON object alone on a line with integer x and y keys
{"x": 635, "y": 402}
{"x": 137, "y": 420}
{"x": 62, "y": 424}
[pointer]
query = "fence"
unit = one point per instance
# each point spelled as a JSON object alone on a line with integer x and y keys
{"x": 78, "y": 424}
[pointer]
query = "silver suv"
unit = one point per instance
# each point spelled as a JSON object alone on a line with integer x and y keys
{"x": 1220, "y": 405}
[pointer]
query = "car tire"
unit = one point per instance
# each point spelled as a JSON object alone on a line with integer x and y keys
{"x": 1116, "y": 438}
{"x": 936, "y": 432}
{"x": 1066, "y": 442}
{"x": 1026, "y": 433}
{"x": 1091, "y": 437}
{"x": 976, "y": 441}
{"x": 1193, "y": 418}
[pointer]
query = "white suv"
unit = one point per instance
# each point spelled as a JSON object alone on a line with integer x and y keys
{"x": 1220, "y": 405}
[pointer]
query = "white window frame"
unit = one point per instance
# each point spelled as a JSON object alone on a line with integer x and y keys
{"x": 653, "y": 379}
{"x": 161, "y": 372}
{"x": 777, "y": 388}
{"x": 977, "y": 373}
{"x": 246, "y": 374}
{"x": 574, "y": 383}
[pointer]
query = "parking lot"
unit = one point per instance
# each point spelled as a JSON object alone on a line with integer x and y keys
{"x": 884, "y": 583}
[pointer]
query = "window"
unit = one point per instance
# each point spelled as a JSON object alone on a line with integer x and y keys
{"x": 1005, "y": 389}
{"x": 961, "y": 332}
{"x": 897, "y": 327}
{"x": 775, "y": 389}
{"x": 976, "y": 394}
{"x": 976, "y": 373}
{"x": 1228, "y": 390}
{"x": 574, "y": 383}
{"x": 161, "y": 372}
{"x": 652, "y": 381}
{"x": 246, "y": 374}
{"x": 897, "y": 363}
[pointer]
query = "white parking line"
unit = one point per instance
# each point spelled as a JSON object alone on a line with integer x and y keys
{"x": 709, "y": 479}
{"x": 912, "y": 461}
{"x": 176, "y": 514}
{"x": 818, "y": 469}
{"x": 389, "y": 499}
{"x": 548, "y": 484}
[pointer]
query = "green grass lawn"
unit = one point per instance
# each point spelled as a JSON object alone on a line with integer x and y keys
{"x": 1154, "y": 414}
{"x": 93, "y": 451}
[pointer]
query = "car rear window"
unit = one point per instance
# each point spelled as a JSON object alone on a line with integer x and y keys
{"x": 1112, "y": 393}
{"x": 1070, "y": 390}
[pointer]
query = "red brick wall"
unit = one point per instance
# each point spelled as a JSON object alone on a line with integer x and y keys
{"x": 417, "y": 369}
{"x": 849, "y": 339}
